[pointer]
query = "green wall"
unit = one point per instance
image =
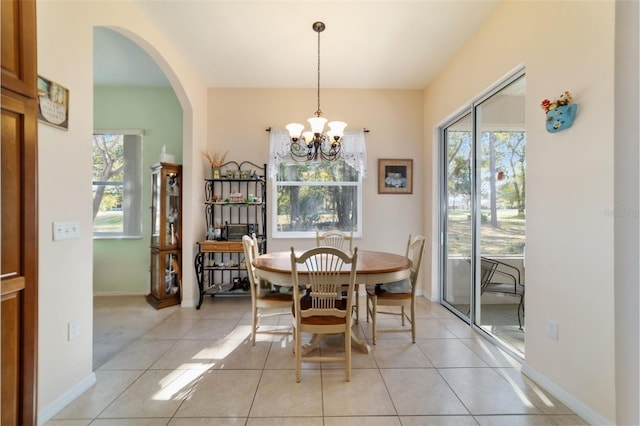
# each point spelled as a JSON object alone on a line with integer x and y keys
{"x": 121, "y": 266}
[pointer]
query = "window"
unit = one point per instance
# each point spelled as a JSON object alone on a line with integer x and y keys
{"x": 117, "y": 183}
{"x": 314, "y": 196}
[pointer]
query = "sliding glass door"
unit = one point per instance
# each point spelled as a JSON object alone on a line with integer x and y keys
{"x": 483, "y": 213}
{"x": 457, "y": 214}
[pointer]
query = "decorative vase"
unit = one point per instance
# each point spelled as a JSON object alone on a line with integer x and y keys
{"x": 561, "y": 117}
{"x": 215, "y": 173}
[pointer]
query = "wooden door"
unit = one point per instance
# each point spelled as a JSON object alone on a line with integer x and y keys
{"x": 18, "y": 214}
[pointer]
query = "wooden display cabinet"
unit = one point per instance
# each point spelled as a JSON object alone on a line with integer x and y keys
{"x": 166, "y": 233}
{"x": 165, "y": 278}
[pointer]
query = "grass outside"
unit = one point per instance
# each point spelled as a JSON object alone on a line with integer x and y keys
{"x": 508, "y": 238}
{"x": 111, "y": 221}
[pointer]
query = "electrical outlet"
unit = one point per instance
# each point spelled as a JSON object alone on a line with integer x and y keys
{"x": 74, "y": 329}
{"x": 552, "y": 329}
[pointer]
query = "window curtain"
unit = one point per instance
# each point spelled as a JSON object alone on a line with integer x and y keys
{"x": 353, "y": 150}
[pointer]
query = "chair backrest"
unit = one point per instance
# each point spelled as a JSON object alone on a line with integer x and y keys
{"x": 491, "y": 268}
{"x": 336, "y": 239}
{"x": 325, "y": 274}
{"x": 415, "y": 250}
{"x": 487, "y": 270}
{"x": 250, "y": 246}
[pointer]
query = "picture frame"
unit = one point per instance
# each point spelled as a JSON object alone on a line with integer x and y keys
{"x": 53, "y": 103}
{"x": 395, "y": 176}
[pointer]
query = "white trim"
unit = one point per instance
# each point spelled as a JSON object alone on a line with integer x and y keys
{"x": 188, "y": 303}
{"x": 134, "y": 132}
{"x": 577, "y": 406}
{"x": 46, "y": 413}
{"x": 119, "y": 293}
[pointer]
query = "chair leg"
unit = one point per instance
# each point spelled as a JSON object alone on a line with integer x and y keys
{"x": 366, "y": 302}
{"x": 520, "y": 306}
{"x": 374, "y": 313}
{"x": 254, "y": 325}
{"x": 357, "y": 305}
{"x": 298, "y": 350}
{"x": 413, "y": 321}
{"x": 347, "y": 352}
{"x": 294, "y": 333}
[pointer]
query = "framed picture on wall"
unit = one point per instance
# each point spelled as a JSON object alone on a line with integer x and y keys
{"x": 395, "y": 176}
{"x": 53, "y": 103}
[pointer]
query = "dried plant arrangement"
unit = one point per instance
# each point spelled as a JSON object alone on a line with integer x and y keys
{"x": 216, "y": 159}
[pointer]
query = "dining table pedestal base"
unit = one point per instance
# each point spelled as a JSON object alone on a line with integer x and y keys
{"x": 356, "y": 344}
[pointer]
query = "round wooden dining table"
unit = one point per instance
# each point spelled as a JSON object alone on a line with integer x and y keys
{"x": 372, "y": 267}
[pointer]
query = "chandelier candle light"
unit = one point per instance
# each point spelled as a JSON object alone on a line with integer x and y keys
{"x": 317, "y": 145}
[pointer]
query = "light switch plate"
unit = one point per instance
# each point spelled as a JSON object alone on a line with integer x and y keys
{"x": 66, "y": 230}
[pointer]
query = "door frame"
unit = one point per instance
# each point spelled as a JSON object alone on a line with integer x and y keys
{"x": 475, "y": 295}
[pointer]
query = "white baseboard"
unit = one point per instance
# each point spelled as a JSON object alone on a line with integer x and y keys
{"x": 429, "y": 297}
{"x": 188, "y": 303}
{"x": 46, "y": 413}
{"x": 577, "y": 406}
{"x": 119, "y": 293}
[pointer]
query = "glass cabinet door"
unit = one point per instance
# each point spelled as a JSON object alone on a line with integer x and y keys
{"x": 165, "y": 278}
{"x": 172, "y": 210}
{"x": 171, "y": 274}
{"x": 155, "y": 290}
{"x": 166, "y": 206}
{"x": 155, "y": 209}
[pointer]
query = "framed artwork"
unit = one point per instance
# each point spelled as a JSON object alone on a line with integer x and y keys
{"x": 53, "y": 103}
{"x": 395, "y": 176}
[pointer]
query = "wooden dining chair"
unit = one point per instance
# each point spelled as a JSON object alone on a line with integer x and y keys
{"x": 337, "y": 239}
{"x": 323, "y": 308}
{"x": 399, "y": 294}
{"x": 265, "y": 303}
{"x": 343, "y": 241}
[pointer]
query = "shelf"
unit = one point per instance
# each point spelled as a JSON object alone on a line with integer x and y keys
{"x": 237, "y": 199}
{"x": 223, "y": 268}
{"x": 218, "y": 288}
{"x": 260, "y": 179}
{"x": 236, "y": 203}
{"x": 224, "y": 289}
{"x": 220, "y": 246}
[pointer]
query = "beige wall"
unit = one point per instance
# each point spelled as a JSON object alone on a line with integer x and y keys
{"x": 65, "y": 55}
{"x": 238, "y": 119}
{"x": 563, "y": 46}
{"x": 570, "y": 236}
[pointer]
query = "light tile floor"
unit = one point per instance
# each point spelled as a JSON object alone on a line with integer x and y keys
{"x": 197, "y": 367}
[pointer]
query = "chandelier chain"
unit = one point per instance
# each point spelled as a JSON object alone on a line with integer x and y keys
{"x": 318, "y": 112}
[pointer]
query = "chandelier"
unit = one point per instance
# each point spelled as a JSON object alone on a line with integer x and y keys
{"x": 315, "y": 144}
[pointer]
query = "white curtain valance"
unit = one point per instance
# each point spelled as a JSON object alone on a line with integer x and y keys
{"x": 353, "y": 150}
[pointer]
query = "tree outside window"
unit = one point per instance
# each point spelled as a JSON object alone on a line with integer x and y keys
{"x": 116, "y": 185}
{"x": 314, "y": 196}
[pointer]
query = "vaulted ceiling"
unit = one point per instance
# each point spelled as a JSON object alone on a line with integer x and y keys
{"x": 393, "y": 44}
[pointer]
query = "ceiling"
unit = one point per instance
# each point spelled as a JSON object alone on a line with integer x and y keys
{"x": 393, "y": 44}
